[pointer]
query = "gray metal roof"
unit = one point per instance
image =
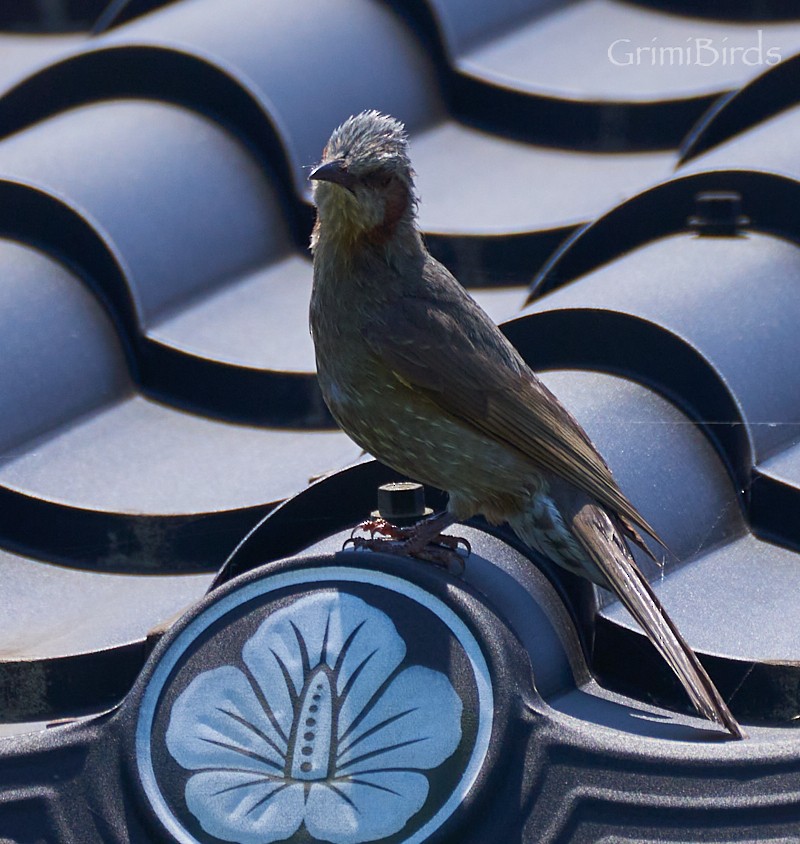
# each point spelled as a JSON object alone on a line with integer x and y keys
{"x": 157, "y": 387}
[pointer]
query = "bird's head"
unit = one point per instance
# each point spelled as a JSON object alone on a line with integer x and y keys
{"x": 364, "y": 185}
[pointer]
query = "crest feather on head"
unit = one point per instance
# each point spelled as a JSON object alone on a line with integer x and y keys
{"x": 367, "y": 139}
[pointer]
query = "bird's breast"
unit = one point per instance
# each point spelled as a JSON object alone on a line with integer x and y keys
{"x": 406, "y": 430}
{"x": 399, "y": 423}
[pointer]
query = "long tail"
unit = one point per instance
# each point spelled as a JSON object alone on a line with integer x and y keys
{"x": 596, "y": 532}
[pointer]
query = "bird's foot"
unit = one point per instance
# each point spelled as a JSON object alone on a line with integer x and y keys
{"x": 423, "y": 541}
{"x": 382, "y": 527}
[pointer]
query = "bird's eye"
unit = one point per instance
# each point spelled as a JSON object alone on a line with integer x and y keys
{"x": 379, "y": 179}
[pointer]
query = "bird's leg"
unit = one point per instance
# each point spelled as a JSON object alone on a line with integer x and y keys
{"x": 429, "y": 531}
{"x": 423, "y": 540}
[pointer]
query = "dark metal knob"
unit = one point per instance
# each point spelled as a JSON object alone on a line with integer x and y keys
{"x": 402, "y": 503}
{"x": 718, "y": 213}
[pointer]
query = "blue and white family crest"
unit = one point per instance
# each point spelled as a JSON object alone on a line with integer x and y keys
{"x": 322, "y": 725}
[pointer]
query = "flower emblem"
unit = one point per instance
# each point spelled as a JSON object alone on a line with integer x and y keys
{"x": 321, "y": 726}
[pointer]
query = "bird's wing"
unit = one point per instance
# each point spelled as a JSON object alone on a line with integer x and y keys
{"x": 446, "y": 347}
{"x": 596, "y": 532}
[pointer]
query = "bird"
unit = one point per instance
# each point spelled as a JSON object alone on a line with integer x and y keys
{"x": 420, "y": 377}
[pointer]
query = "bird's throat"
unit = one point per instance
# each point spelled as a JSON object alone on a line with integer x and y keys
{"x": 347, "y": 225}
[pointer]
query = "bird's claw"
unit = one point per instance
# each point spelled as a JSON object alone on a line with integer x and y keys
{"x": 452, "y": 543}
{"x": 382, "y": 527}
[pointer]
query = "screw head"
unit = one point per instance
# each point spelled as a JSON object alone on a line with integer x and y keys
{"x": 718, "y": 213}
{"x": 402, "y": 503}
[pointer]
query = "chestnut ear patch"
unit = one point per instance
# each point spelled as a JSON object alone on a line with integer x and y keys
{"x": 398, "y": 199}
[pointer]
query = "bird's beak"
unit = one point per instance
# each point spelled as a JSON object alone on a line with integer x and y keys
{"x": 334, "y": 171}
